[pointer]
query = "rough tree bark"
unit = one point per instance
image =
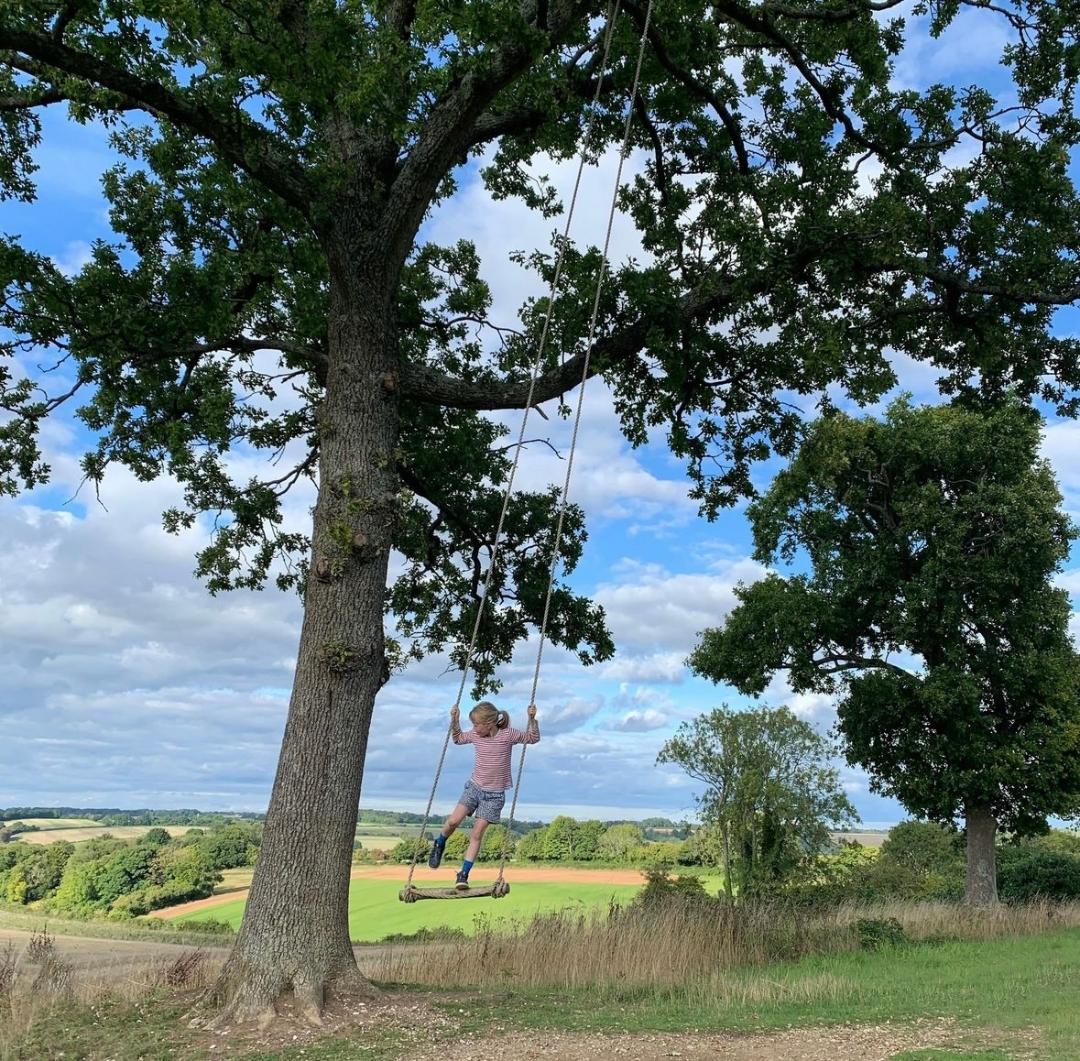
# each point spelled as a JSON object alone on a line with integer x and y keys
{"x": 981, "y": 884}
{"x": 295, "y": 934}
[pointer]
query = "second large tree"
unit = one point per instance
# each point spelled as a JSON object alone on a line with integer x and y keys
{"x": 931, "y": 539}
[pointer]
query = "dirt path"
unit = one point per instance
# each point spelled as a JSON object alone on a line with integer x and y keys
{"x": 842, "y": 1043}
{"x": 425, "y": 876}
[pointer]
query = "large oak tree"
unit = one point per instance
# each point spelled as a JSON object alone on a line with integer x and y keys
{"x": 801, "y": 214}
{"x": 932, "y": 538}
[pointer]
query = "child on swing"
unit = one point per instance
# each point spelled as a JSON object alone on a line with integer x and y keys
{"x": 485, "y": 792}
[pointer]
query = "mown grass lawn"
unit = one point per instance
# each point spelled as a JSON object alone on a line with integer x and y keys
{"x": 375, "y": 911}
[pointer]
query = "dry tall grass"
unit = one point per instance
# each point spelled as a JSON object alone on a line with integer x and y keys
{"x": 679, "y": 944}
{"x": 36, "y": 981}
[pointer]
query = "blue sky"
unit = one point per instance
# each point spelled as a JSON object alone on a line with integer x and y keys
{"x": 125, "y": 684}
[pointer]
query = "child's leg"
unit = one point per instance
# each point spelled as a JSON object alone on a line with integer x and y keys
{"x": 457, "y": 816}
{"x": 479, "y": 825}
{"x": 476, "y": 840}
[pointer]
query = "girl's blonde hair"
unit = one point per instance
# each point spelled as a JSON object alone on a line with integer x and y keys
{"x": 485, "y": 713}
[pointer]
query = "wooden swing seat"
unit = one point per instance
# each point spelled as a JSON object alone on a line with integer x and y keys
{"x": 412, "y": 894}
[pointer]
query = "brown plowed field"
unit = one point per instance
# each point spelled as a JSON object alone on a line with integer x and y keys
{"x": 519, "y": 874}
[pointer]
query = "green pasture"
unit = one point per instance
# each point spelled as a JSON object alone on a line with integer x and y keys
{"x": 378, "y": 841}
{"x": 376, "y": 912}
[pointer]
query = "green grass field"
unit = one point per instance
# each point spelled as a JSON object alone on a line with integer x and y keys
{"x": 376, "y": 912}
{"x": 1027, "y": 989}
{"x": 378, "y": 841}
{"x": 1010, "y": 999}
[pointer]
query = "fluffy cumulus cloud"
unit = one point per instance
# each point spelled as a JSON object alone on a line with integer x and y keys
{"x": 1061, "y": 445}
{"x": 654, "y": 609}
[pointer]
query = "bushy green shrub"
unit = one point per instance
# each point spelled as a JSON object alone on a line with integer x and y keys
{"x": 877, "y": 933}
{"x": 1038, "y": 874}
{"x": 662, "y": 853}
{"x": 229, "y": 846}
{"x": 660, "y": 886}
{"x": 207, "y": 925}
{"x": 492, "y": 848}
{"x": 412, "y": 846}
{"x": 926, "y": 847}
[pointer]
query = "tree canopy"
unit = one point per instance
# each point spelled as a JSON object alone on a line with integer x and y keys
{"x": 247, "y": 132}
{"x": 771, "y": 792}
{"x": 931, "y": 538}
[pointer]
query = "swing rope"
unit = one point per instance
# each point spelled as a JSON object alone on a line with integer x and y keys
{"x": 590, "y": 344}
{"x": 500, "y": 887}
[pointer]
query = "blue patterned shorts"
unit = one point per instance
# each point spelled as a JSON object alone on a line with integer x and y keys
{"x": 486, "y": 803}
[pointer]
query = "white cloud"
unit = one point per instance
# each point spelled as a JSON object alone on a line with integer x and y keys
{"x": 641, "y": 721}
{"x": 654, "y": 609}
{"x": 75, "y": 256}
{"x": 653, "y": 667}
{"x": 1061, "y": 447}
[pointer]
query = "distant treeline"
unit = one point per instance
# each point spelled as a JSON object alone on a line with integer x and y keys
{"x": 119, "y": 816}
{"x": 404, "y": 817}
{"x": 658, "y": 829}
{"x": 121, "y": 879}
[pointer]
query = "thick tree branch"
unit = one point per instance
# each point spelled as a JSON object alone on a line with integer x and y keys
{"x": 239, "y": 140}
{"x": 30, "y": 100}
{"x": 400, "y": 17}
{"x": 820, "y": 13}
{"x": 766, "y": 28}
{"x": 423, "y": 489}
{"x": 662, "y": 184}
{"x": 955, "y": 285}
{"x": 64, "y": 18}
{"x": 835, "y": 663}
{"x": 449, "y": 129}
{"x": 426, "y": 384}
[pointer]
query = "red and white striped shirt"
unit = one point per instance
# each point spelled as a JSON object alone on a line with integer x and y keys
{"x": 492, "y": 769}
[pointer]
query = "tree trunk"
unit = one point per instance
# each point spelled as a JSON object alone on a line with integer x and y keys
{"x": 725, "y": 853}
{"x": 295, "y": 933}
{"x": 981, "y": 885}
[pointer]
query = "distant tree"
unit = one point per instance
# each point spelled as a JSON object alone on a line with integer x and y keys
{"x": 123, "y": 872}
{"x": 456, "y": 844}
{"x": 17, "y": 885}
{"x": 770, "y": 792}
{"x": 569, "y": 840}
{"x": 44, "y": 868}
{"x": 156, "y": 837}
{"x": 411, "y": 847}
{"x": 229, "y": 846}
{"x": 932, "y": 534}
{"x": 533, "y": 845}
{"x": 77, "y": 892}
{"x": 621, "y": 843}
{"x": 494, "y": 838}
{"x": 926, "y": 846}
